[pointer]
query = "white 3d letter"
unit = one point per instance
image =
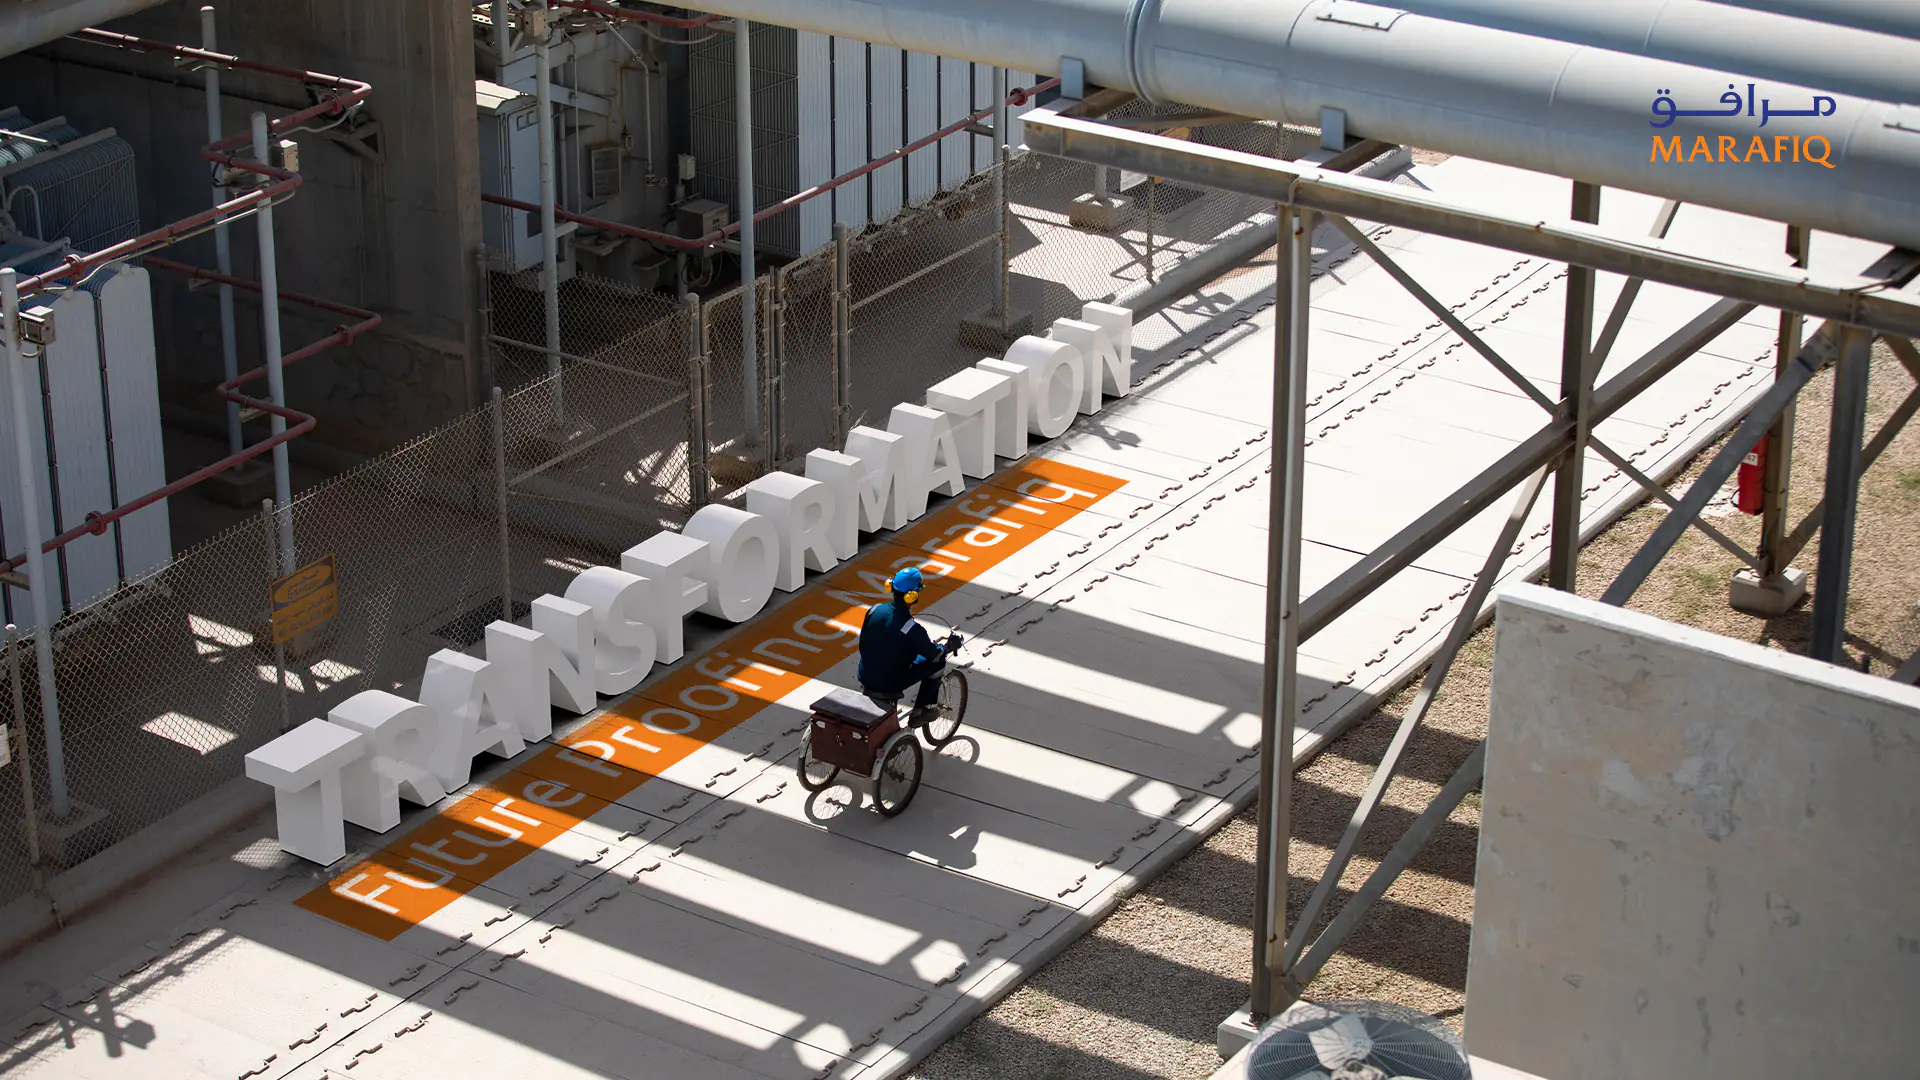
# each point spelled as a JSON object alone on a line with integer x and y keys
{"x": 1056, "y": 373}
{"x": 883, "y": 497}
{"x": 303, "y": 766}
{"x": 969, "y": 398}
{"x": 677, "y": 567}
{"x": 475, "y": 713}
{"x": 1010, "y": 419}
{"x": 931, "y": 459}
{"x": 625, "y": 644}
{"x": 539, "y": 669}
{"x": 401, "y": 735}
{"x": 1098, "y": 355}
{"x": 841, "y": 474}
{"x": 746, "y": 559}
{"x": 801, "y": 511}
{"x": 1115, "y": 370}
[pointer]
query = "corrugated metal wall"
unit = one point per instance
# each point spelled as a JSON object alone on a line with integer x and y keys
{"x": 923, "y": 119}
{"x": 18, "y": 603}
{"x": 850, "y": 129}
{"x": 133, "y": 408}
{"x": 99, "y": 384}
{"x": 777, "y": 153}
{"x": 826, "y": 106}
{"x": 815, "y": 104}
{"x": 887, "y": 128}
{"x": 75, "y": 401}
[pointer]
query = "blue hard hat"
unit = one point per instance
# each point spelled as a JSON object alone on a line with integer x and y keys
{"x": 907, "y": 580}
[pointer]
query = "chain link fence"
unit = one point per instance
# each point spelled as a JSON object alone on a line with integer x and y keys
{"x": 654, "y": 407}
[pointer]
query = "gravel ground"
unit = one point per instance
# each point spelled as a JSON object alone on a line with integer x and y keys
{"x": 1140, "y": 996}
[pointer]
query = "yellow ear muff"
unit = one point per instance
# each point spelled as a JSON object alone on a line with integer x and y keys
{"x": 912, "y": 597}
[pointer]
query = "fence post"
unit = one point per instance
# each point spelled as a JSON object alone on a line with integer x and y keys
{"x": 23, "y": 760}
{"x": 699, "y": 446}
{"x": 1153, "y": 209}
{"x": 769, "y": 368}
{"x": 271, "y": 520}
{"x": 40, "y": 591}
{"x": 1003, "y": 201}
{"x": 485, "y": 279}
{"x": 842, "y": 364}
{"x": 500, "y": 495}
{"x": 778, "y": 451}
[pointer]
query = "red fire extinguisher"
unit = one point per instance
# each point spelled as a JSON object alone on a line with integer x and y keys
{"x": 1752, "y": 479}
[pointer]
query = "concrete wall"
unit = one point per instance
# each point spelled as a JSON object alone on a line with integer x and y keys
{"x": 395, "y": 237}
{"x": 1698, "y": 857}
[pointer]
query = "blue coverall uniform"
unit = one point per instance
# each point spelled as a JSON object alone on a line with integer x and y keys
{"x": 896, "y": 652}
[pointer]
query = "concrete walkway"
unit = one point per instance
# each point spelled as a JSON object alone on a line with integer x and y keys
{"x": 713, "y": 920}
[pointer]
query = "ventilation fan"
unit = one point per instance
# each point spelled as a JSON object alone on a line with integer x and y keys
{"x": 1356, "y": 1040}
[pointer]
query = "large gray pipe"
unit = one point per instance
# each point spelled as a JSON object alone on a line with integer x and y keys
{"x": 1900, "y": 17}
{"x": 24, "y": 26}
{"x": 1759, "y": 44}
{"x": 1527, "y": 102}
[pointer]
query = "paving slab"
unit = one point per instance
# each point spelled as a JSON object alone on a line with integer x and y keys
{"x": 479, "y": 1028}
{"x": 1074, "y": 792}
{"x": 833, "y": 866}
{"x": 889, "y": 935}
{"x": 635, "y": 960}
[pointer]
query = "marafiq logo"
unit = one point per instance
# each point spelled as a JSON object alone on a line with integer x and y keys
{"x": 1785, "y": 149}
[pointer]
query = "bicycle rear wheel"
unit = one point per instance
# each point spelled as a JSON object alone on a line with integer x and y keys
{"x": 815, "y": 774}
{"x": 899, "y": 777}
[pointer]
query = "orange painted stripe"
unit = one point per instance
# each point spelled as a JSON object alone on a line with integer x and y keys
{"x": 559, "y": 785}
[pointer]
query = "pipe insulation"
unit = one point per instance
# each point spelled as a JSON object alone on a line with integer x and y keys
{"x": 25, "y": 26}
{"x": 1527, "y": 102}
{"x": 1900, "y": 17}
{"x": 1758, "y": 44}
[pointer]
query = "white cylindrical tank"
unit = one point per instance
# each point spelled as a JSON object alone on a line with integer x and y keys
{"x": 1900, "y": 17}
{"x": 1523, "y": 101}
{"x": 1759, "y": 44}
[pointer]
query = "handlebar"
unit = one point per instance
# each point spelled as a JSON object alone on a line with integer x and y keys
{"x": 951, "y": 642}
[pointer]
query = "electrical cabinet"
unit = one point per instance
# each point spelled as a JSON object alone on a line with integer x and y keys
{"x": 510, "y": 167}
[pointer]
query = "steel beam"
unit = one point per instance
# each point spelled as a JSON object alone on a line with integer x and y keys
{"x": 1441, "y": 311}
{"x": 1576, "y": 399}
{"x": 1843, "y": 495}
{"x": 1456, "y": 788}
{"x": 1896, "y": 423}
{"x": 1909, "y": 672}
{"x": 1778, "y": 472}
{"x": 1908, "y": 356}
{"x": 1447, "y": 515}
{"x": 1272, "y": 991}
{"x": 1659, "y": 491}
{"x": 1896, "y": 269}
{"x": 1629, "y": 292}
{"x": 1463, "y": 626}
{"x": 1856, "y": 300}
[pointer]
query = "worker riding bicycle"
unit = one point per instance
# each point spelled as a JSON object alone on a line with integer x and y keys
{"x": 896, "y": 652}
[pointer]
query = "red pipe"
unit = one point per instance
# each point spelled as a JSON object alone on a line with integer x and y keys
{"x": 343, "y": 333}
{"x": 346, "y": 92}
{"x": 637, "y": 16}
{"x": 299, "y": 423}
{"x": 1019, "y": 96}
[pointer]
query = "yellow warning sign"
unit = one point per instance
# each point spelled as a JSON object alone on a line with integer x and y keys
{"x": 304, "y": 599}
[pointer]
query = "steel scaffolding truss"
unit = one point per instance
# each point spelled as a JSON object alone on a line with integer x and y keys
{"x": 1856, "y": 309}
